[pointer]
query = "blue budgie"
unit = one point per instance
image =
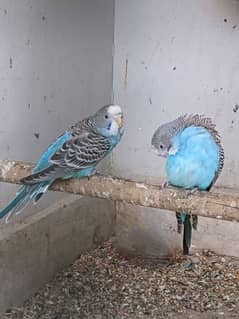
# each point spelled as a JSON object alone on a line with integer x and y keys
{"x": 74, "y": 154}
{"x": 195, "y": 159}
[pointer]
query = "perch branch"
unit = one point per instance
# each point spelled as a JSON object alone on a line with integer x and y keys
{"x": 220, "y": 205}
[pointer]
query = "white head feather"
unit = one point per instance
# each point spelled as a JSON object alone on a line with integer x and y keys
{"x": 114, "y": 110}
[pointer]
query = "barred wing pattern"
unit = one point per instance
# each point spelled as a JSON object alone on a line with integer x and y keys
{"x": 83, "y": 151}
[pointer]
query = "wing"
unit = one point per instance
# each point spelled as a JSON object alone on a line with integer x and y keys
{"x": 44, "y": 160}
{"x": 82, "y": 151}
{"x": 206, "y": 122}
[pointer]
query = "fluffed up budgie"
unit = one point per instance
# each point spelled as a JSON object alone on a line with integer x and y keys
{"x": 74, "y": 154}
{"x": 195, "y": 159}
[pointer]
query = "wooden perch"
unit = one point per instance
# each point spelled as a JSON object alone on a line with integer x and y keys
{"x": 223, "y": 205}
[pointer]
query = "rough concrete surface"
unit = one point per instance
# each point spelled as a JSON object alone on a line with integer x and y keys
{"x": 32, "y": 251}
{"x": 172, "y": 58}
{"x": 149, "y": 232}
{"x": 56, "y": 68}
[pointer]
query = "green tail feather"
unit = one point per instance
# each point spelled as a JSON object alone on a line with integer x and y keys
{"x": 187, "y": 234}
{"x": 187, "y": 222}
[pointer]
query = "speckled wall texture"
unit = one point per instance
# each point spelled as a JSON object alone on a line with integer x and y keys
{"x": 55, "y": 68}
{"x": 171, "y": 58}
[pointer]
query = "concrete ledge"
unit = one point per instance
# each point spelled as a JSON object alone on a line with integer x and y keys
{"x": 31, "y": 252}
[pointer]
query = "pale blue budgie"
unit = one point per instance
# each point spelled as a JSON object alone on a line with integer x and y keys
{"x": 195, "y": 159}
{"x": 74, "y": 154}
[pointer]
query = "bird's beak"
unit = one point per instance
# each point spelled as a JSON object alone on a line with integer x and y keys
{"x": 119, "y": 121}
{"x": 173, "y": 150}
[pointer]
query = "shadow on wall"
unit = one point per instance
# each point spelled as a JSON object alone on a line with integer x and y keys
{"x": 139, "y": 231}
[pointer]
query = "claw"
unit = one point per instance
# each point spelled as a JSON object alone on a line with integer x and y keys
{"x": 193, "y": 191}
{"x": 164, "y": 184}
{"x": 94, "y": 172}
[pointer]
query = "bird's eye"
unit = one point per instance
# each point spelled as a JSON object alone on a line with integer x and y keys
{"x": 106, "y": 116}
{"x": 161, "y": 146}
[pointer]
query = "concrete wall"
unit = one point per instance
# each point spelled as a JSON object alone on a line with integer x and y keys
{"x": 171, "y": 58}
{"x": 55, "y": 68}
{"x": 32, "y": 252}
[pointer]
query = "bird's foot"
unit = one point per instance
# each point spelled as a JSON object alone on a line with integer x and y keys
{"x": 179, "y": 228}
{"x": 179, "y": 222}
{"x": 94, "y": 172}
{"x": 192, "y": 191}
{"x": 164, "y": 185}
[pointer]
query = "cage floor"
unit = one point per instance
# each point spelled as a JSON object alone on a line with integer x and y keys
{"x": 105, "y": 284}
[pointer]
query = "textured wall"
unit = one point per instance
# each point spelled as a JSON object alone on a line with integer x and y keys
{"x": 32, "y": 252}
{"x": 171, "y": 58}
{"x": 55, "y": 68}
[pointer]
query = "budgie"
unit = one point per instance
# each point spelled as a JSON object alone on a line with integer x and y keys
{"x": 74, "y": 154}
{"x": 195, "y": 159}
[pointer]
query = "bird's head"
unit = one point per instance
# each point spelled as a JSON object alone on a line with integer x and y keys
{"x": 162, "y": 140}
{"x": 109, "y": 120}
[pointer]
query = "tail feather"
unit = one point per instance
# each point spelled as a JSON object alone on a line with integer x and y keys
{"x": 187, "y": 234}
{"x": 187, "y": 222}
{"x": 44, "y": 187}
{"x": 19, "y": 196}
{"x": 24, "y": 196}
